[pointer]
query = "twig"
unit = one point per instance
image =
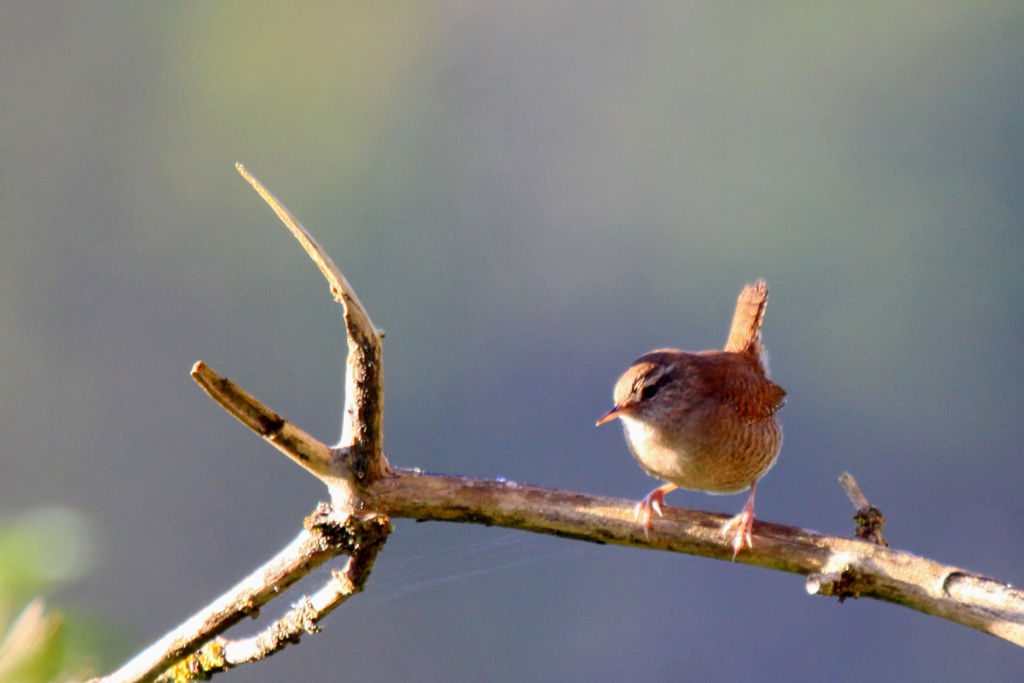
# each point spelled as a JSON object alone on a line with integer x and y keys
{"x": 869, "y": 518}
{"x": 325, "y": 537}
{"x": 853, "y": 491}
{"x": 309, "y": 453}
{"x": 221, "y": 654}
{"x": 358, "y": 458}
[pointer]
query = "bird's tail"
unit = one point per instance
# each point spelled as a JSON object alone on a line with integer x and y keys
{"x": 745, "y": 334}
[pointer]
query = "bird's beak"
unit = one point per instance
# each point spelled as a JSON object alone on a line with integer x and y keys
{"x": 611, "y": 414}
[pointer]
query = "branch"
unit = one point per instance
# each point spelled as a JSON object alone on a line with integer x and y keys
{"x": 360, "y": 479}
{"x": 358, "y": 458}
{"x": 325, "y": 537}
{"x": 220, "y": 654}
{"x": 351, "y": 527}
{"x": 834, "y": 566}
{"x": 309, "y": 453}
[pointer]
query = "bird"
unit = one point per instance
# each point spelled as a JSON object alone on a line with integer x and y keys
{"x": 706, "y": 420}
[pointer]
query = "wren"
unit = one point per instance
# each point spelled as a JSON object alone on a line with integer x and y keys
{"x": 705, "y": 421}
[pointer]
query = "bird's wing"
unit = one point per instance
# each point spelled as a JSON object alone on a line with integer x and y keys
{"x": 751, "y": 394}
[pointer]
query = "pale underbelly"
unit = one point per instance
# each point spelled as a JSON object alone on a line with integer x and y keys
{"x": 727, "y": 464}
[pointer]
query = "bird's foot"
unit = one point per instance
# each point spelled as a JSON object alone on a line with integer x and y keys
{"x": 740, "y": 528}
{"x": 642, "y": 511}
{"x": 652, "y": 501}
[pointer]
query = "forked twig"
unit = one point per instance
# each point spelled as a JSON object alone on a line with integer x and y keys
{"x": 346, "y": 469}
{"x": 359, "y": 455}
{"x": 324, "y": 538}
{"x": 221, "y": 654}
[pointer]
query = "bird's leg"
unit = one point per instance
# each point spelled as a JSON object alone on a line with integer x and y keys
{"x": 742, "y": 525}
{"x": 652, "y": 501}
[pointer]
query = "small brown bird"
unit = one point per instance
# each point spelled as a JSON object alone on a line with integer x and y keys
{"x": 705, "y": 421}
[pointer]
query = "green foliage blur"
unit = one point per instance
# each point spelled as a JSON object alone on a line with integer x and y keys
{"x": 40, "y": 552}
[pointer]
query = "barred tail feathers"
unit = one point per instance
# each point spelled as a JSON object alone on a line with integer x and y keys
{"x": 745, "y": 333}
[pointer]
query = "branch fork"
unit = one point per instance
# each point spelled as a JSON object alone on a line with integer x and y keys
{"x": 358, "y": 459}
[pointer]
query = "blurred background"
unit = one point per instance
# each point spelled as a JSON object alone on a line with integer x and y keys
{"x": 526, "y": 196}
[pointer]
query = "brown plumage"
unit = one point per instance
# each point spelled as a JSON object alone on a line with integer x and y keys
{"x": 705, "y": 421}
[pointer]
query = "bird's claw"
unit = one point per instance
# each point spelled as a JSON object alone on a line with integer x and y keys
{"x": 740, "y": 528}
{"x": 642, "y": 511}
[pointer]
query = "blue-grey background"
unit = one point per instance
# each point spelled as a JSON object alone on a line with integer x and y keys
{"x": 526, "y": 196}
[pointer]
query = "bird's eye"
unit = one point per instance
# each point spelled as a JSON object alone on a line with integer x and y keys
{"x": 649, "y": 391}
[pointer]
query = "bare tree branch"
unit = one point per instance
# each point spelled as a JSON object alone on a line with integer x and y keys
{"x": 221, "y": 654}
{"x": 359, "y": 457}
{"x": 366, "y": 491}
{"x": 834, "y": 566}
{"x": 346, "y": 469}
{"x": 324, "y": 537}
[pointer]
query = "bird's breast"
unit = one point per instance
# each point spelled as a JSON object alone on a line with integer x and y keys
{"x": 723, "y": 460}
